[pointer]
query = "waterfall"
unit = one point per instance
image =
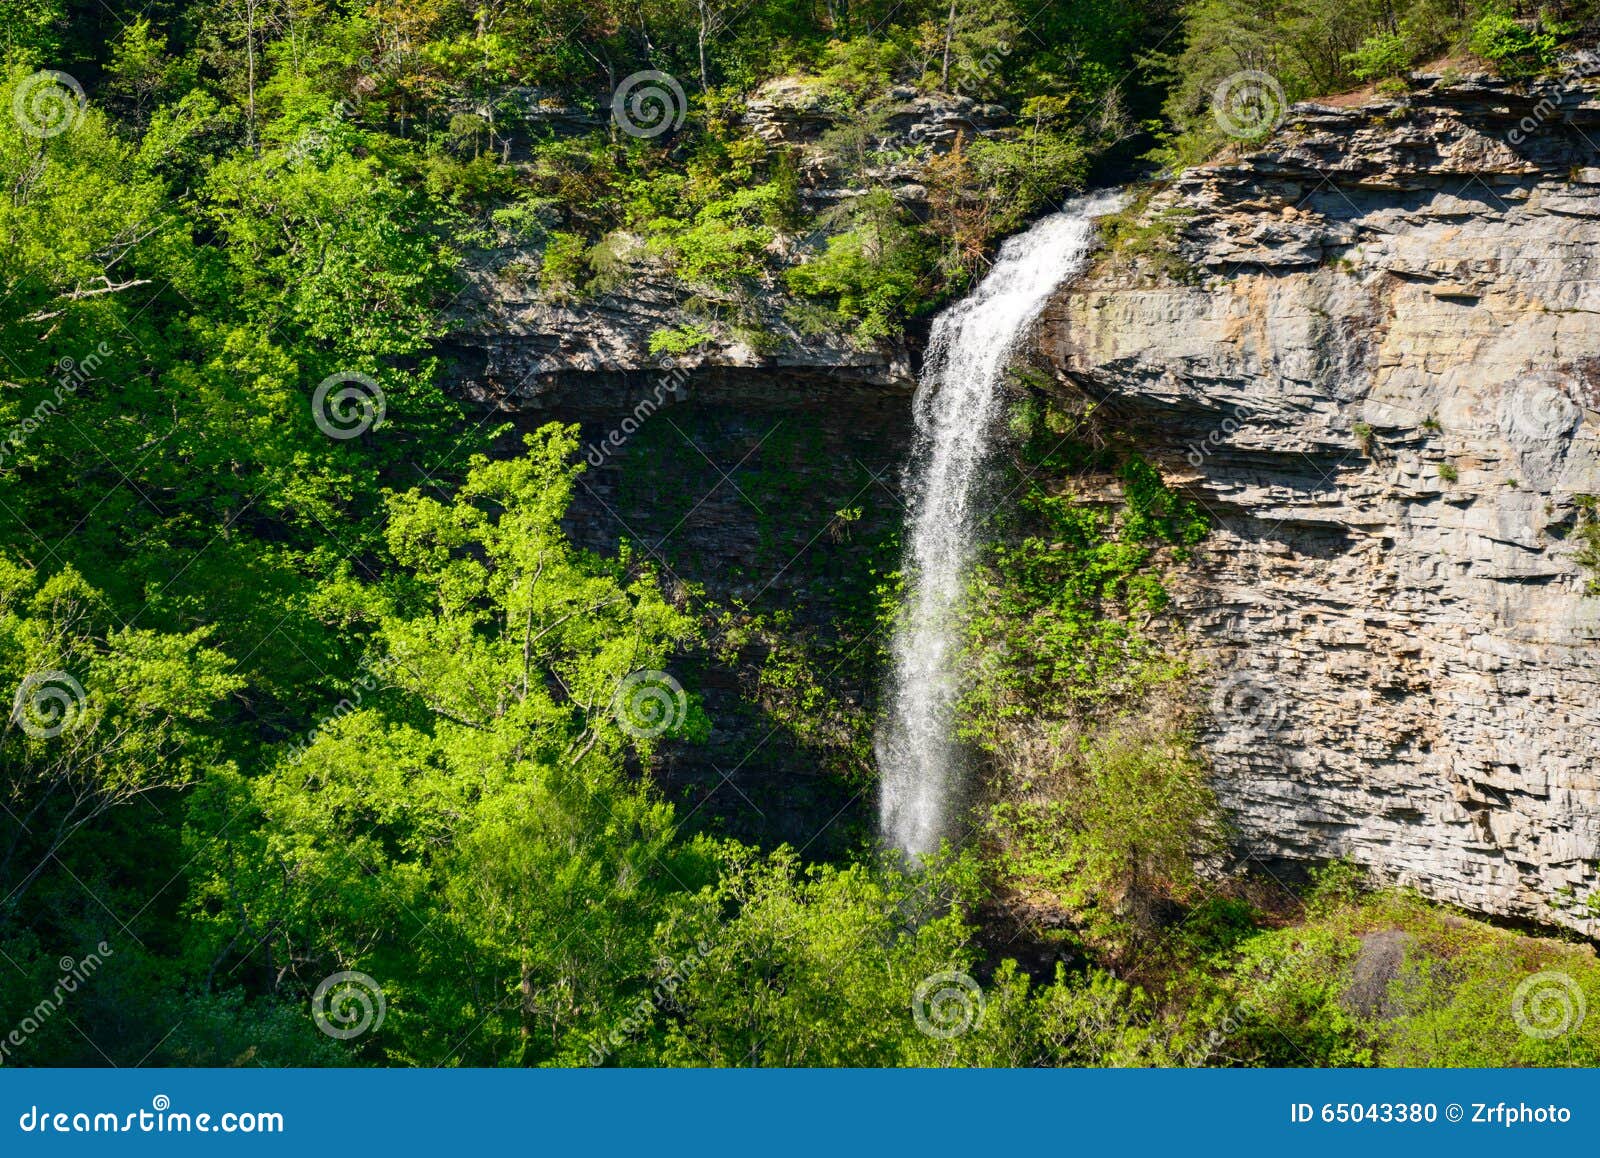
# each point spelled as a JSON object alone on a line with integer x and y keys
{"x": 957, "y": 407}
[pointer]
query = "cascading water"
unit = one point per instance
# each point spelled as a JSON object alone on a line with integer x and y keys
{"x": 956, "y": 408}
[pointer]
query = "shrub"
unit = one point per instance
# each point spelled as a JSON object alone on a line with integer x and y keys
{"x": 1513, "y": 47}
{"x": 563, "y": 264}
{"x": 1457, "y": 992}
{"x": 863, "y": 65}
{"x": 1109, "y": 826}
{"x": 873, "y": 271}
{"x": 1381, "y": 55}
{"x": 1588, "y": 536}
{"x": 680, "y": 339}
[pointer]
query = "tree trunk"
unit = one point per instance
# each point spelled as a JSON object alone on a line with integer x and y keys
{"x": 529, "y": 1004}
{"x": 706, "y": 19}
{"x": 250, "y": 58}
{"x": 949, "y": 35}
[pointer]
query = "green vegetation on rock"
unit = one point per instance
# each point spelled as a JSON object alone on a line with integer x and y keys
{"x": 301, "y": 683}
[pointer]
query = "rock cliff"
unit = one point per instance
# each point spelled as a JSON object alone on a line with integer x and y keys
{"x": 529, "y": 348}
{"x": 1371, "y": 347}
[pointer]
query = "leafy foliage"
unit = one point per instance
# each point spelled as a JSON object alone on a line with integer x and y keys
{"x": 1310, "y": 51}
{"x": 1514, "y": 46}
{"x": 1095, "y": 801}
{"x": 1448, "y": 994}
{"x": 338, "y": 703}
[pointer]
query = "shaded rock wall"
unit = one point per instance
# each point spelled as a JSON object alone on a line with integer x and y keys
{"x": 1372, "y": 350}
{"x": 773, "y": 493}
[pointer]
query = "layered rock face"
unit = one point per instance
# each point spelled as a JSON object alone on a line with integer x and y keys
{"x": 1372, "y": 349}
{"x": 528, "y": 348}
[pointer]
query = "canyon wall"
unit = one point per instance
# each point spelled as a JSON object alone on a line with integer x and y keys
{"x": 1371, "y": 348}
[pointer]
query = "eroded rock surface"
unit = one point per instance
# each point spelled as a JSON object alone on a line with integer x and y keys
{"x": 1372, "y": 349}
{"x": 529, "y": 344}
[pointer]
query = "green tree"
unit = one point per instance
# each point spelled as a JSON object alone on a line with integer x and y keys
{"x": 467, "y": 834}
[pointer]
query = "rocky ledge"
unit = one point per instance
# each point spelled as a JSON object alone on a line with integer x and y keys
{"x": 521, "y": 345}
{"x": 1371, "y": 347}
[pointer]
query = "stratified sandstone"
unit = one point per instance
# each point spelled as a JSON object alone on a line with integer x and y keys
{"x": 1372, "y": 349}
